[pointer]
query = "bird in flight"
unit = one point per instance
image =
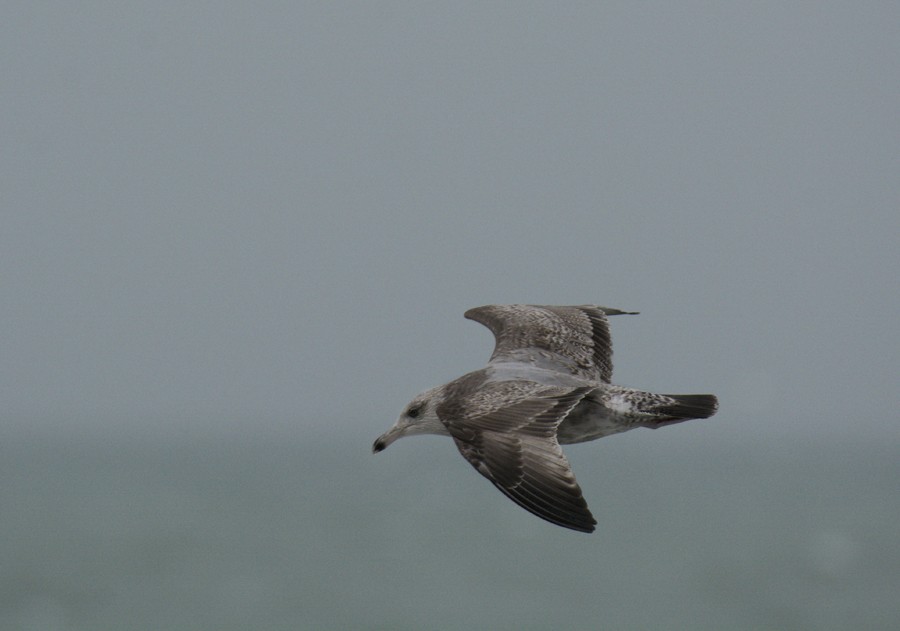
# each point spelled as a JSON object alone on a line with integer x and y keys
{"x": 546, "y": 384}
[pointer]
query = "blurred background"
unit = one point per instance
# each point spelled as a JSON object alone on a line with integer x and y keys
{"x": 236, "y": 239}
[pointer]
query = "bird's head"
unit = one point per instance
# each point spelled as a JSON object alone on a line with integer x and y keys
{"x": 418, "y": 417}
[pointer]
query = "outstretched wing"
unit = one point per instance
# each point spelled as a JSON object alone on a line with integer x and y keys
{"x": 573, "y": 339}
{"x": 515, "y": 447}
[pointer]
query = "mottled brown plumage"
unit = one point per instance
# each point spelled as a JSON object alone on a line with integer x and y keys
{"x": 547, "y": 383}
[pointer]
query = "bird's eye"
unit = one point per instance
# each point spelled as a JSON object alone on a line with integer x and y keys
{"x": 413, "y": 412}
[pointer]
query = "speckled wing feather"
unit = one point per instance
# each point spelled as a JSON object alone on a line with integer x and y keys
{"x": 574, "y": 339}
{"x": 509, "y": 436}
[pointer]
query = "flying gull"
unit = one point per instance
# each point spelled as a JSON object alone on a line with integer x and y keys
{"x": 546, "y": 384}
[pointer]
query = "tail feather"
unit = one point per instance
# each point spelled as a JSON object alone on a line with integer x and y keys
{"x": 684, "y": 408}
{"x": 690, "y": 406}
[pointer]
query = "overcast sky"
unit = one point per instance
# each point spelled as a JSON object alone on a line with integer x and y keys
{"x": 239, "y": 215}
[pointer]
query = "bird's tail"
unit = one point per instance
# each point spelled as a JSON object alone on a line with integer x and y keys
{"x": 683, "y": 407}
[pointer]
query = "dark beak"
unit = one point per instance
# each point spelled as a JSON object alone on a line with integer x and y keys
{"x": 386, "y": 439}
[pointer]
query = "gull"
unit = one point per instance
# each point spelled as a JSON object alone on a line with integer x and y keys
{"x": 546, "y": 384}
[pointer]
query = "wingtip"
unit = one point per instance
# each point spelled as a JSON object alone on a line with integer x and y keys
{"x": 483, "y": 314}
{"x": 586, "y": 527}
{"x": 610, "y": 311}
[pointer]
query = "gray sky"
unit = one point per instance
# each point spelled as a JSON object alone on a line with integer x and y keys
{"x": 225, "y": 215}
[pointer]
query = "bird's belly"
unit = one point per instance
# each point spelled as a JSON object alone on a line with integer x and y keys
{"x": 591, "y": 420}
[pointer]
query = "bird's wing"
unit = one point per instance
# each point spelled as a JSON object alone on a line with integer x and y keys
{"x": 573, "y": 340}
{"x": 514, "y": 446}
